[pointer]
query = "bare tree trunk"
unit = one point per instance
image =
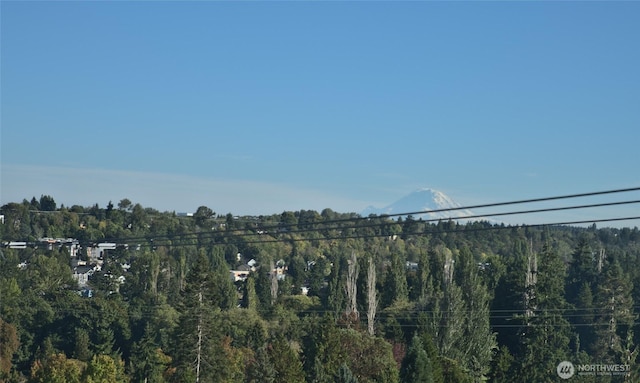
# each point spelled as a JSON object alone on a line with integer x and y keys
{"x": 183, "y": 271}
{"x": 601, "y": 259}
{"x": 351, "y": 287}
{"x": 372, "y": 298}
{"x": 273, "y": 275}
{"x": 199, "y": 353}
{"x": 154, "y": 272}
{"x": 531, "y": 280}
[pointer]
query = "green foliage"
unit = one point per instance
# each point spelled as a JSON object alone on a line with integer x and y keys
{"x": 56, "y": 369}
{"x": 396, "y": 289}
{"x": 177, "y": 294}
{"x": 453, "y": 372}
{"x": 47, "y": 203}
{"x": 196, "y": 340}
{"x": 82, "y": 343}
{"x": 416, "y": 366}
{"x": 148, "y": 363}
{"x": 203, "y": 215}
{"x": 260, "y": 369}
{"x": 501, "y": 366}
{"x": 547, "y": 334}
{"x": 378, "y": 365}
{"x": 104, "y": 369}
{"x": 8, "y": 346}
{"x": 345, "y": 375}
{"x": 615, "y": 317}
{"x": 286, "y": 362}
{"x": 249, "y": 296}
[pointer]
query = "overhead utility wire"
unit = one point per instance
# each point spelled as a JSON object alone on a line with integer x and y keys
{"x": 520, "y": 201}
{"x": 464, "y": 230}
{"x": 495, "y": 204}
{"x": 211, "y": 235}
{"x": 452, "y": 218}
{"x": 243, "y": 233}
{"x": 356, "y": 219}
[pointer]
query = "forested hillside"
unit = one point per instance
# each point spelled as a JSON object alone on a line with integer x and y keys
{"x": 329, "y": 297}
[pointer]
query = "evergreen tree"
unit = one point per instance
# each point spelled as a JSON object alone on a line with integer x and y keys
{"x": 317, "y": 373}
{"x": 285, "y": 362}
{"x": 104, "y": 341}
{"x": 47, "y": 203}
{"x": 261, "y": 370}
{"x": 579, "y": 288}
{"x": 583, "y": 318}
{"x": 396, "y": 289}
{"x": 582, "y": 270}
{"x": 458, "y": 318}
{"x": 615, "y": 317}
{"x": 81, "y": 349}
{"x": 249, "y": 296}
{"x": 223, "y": 292}
{"x": 148, "y": 362}
{"x": 423, "y": 289}
{"x": 416, "y": 366}
{"x": 195, "y": 352}
{"x": 545, "y": 340}
{"x": 8, "y": 346}
{"x": 298, "y": 273}
{"x": 510, "y": 295}
{"x": 263, "y": 288}
{"x": 336, "y": 299}
{"x": 501, "y": 366}
{"x": 478, "y": 342}
{"x": 345, "y": 375}
{"x": 434, "y": 357}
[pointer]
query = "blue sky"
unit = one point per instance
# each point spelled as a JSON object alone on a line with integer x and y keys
{"x": 260, "y": 107}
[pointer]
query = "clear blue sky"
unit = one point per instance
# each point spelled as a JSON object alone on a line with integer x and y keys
{"x": 260, "y": 107}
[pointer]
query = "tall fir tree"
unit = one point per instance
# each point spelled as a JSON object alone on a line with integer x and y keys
{"x": 579, "y": 289}
{"x": 286, "y": 362}
{"x": 546, "y": 335}
{"x": 416, "y": 366}
{"x": 345, "y": 375}
{"x": 147, "y": 361}
{"x": 478, "y": 342}
{"x": 196, "y": 351}
{"x": 615, "y": 317}
{"x": 509, "y": 296}
{"x": 582, "y": 270}
{"x": 249, "y": 295}
{"x": 261, "y": 370}
{"x": 583, "y": 318}
{"x": 396, "y": 289}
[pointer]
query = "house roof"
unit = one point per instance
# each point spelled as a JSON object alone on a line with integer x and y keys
{"x": 83, "y": 269}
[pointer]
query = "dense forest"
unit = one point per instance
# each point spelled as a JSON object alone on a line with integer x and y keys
{"x": 320, "y": 297}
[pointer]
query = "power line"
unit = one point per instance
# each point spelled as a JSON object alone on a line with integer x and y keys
{"x": 285, "y": 229}
{"x": 520, "y": 201}
{"x": 281, "y": 227}
{"x": 442, "y": 231}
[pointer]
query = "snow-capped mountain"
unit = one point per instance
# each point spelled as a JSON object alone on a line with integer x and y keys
{"x": 422, "y": 200}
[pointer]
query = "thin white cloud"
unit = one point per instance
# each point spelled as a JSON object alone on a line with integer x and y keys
{"x": 164, "y": 192}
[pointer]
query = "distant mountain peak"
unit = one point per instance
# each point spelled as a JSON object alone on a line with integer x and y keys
{"x": 425, "y": 203}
